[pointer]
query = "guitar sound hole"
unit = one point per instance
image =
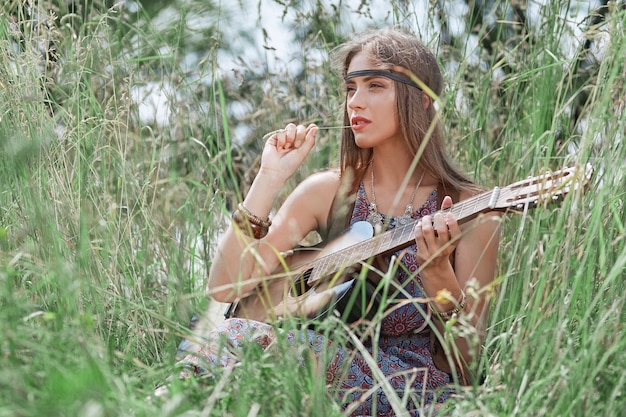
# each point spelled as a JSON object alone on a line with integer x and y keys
{"x": 300, "y": 285}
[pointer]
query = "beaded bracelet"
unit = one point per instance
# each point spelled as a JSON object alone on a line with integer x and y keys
{"x": 253, "y": 218}
{"x": 251, "y": 224}
{"x": 460, "y": 306}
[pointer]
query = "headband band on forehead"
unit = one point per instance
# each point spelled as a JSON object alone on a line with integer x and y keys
{"x": 380, "y": 73}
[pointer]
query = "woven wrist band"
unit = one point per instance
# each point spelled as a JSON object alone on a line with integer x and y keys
{"x": 460, "y": 306}
{"x": 253, "y": 218}
{"x": 250, "y": 224}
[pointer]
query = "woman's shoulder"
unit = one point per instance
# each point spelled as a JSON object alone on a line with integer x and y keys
{"x": 320, "y": 185}
{"x": 317, "y": 191}
{"x": 326, "y": 178}
{"x": 317, "y": 194}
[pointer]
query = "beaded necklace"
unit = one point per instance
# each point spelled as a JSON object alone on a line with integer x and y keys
{"x": 376, "y": 219}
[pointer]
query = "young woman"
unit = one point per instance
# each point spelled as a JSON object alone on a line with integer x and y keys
{"x": 390, "y": 80}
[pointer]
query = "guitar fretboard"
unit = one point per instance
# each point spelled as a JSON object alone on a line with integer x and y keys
{"x": 397, "y": 238}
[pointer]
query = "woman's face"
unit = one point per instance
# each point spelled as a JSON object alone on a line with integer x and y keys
{"x": 371, "y": 106}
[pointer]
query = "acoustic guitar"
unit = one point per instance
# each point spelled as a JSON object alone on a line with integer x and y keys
{"x": 312, "y": 282}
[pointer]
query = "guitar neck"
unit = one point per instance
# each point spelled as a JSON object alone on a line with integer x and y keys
{"x": 404, "y": 235}
{"x": 399, "y": 237}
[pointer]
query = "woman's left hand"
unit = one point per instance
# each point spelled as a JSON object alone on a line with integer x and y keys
{"x": 436, "y": 237}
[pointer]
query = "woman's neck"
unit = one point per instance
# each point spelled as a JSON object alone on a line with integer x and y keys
{"x": 395, "y": 170}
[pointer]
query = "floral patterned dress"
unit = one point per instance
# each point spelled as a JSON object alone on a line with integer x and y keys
{"x": 402, "y": 354}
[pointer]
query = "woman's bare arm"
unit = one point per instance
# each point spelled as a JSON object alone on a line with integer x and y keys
{"x": 240, "y": 260}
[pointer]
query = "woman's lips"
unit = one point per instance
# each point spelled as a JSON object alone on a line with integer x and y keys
{"x": 359, "y": 123}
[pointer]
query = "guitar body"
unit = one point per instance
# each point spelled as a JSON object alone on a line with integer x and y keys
{"x": 289, "y": 291}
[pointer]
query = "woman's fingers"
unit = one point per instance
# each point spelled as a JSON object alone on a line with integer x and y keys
{"x": 446, "y": 203}
{"x": 290, "y": 135}
{"x": 286, "y": 149}
{"x": 430, "y": 233}
{"x": 453, "y": 226}
{"x": 308, "y": 140}
{"x": 283, "y": 136}
{"x": 441, "y": 227}
{"x": 436, "y": 235}
{"x": 299, "y": 136}
{"x": 293, "y": 136}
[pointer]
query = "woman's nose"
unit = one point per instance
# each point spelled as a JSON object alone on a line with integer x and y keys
{"x": 355, "y": 99}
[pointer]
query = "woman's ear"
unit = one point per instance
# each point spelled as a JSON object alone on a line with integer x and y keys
{"x": 425, "y": 100}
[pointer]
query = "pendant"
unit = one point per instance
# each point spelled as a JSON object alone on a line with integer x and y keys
{"x": 374, "y": 217}
{"x": 406, "y": 217}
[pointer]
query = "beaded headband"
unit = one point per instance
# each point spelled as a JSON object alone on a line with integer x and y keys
{"x": 380, "y": 73}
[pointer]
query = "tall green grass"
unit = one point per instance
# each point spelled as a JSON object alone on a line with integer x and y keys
{"x": 107, "y": 223}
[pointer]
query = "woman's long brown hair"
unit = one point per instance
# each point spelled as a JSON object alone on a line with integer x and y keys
{"x": 387, "y": 49}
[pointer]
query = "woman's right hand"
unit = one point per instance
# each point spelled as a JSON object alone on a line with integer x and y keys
{"x": 286, "y": 149}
